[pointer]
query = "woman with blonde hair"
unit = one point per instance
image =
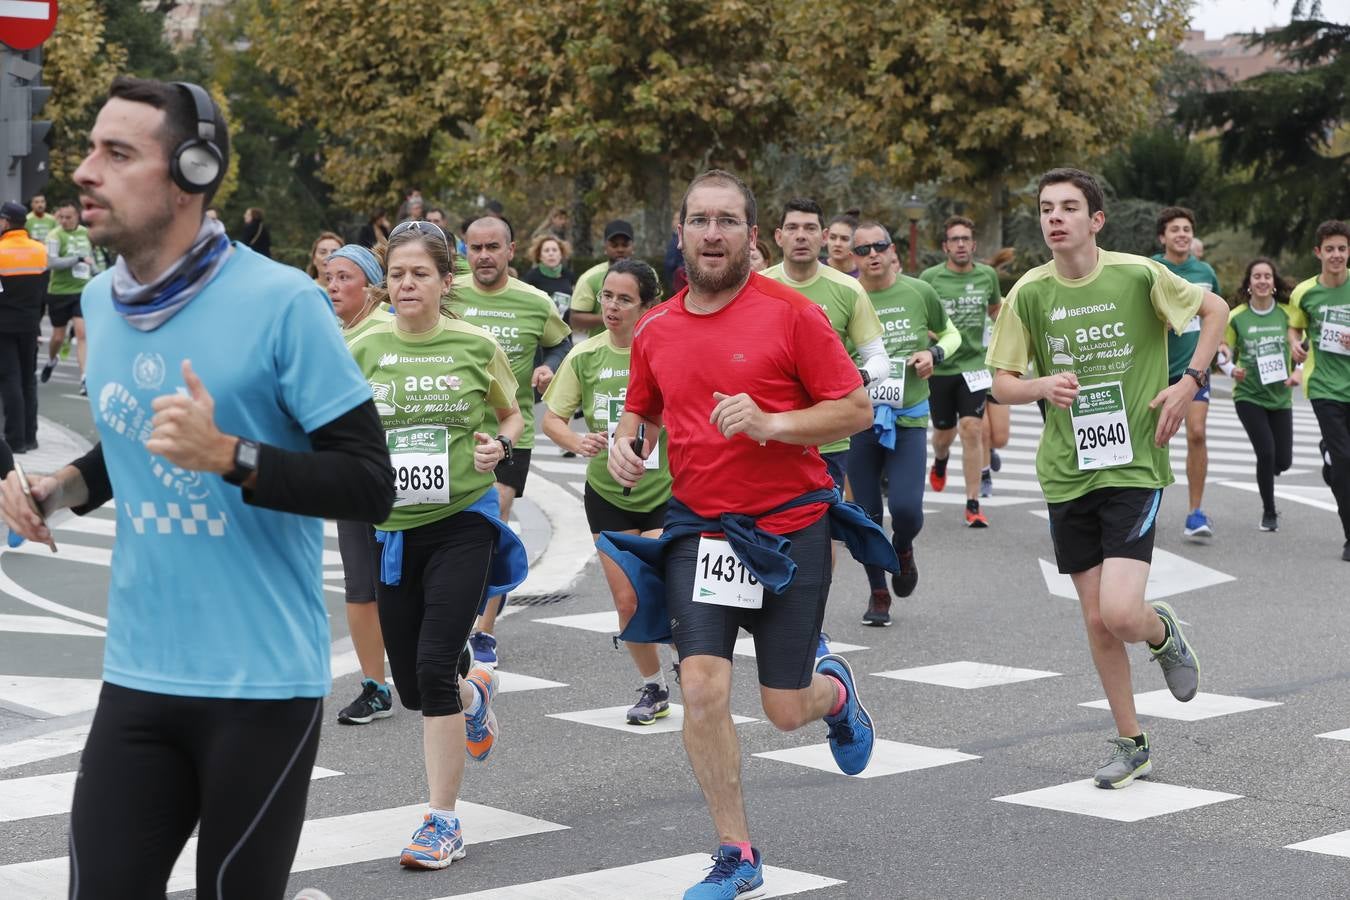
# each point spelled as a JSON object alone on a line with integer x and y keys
{"x": 550, "y": 273}
{"x": 323, "y": 245}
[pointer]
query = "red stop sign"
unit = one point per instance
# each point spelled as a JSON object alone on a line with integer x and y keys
{"x": 25, "y": 24}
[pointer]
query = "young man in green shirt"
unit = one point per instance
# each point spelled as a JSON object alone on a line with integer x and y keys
{"x": 585, "y": 306}
{"x": 1319, "y": 310}
{"x": 522, "y": 319}
{"x": 39, "y": 220}
{"x": 960, "y": 385}
{"x": 800, "y": 235}
{"x": 1095, "y": 322}
{"x": 1176, "y": 233}
{"x": 71, "y": 258}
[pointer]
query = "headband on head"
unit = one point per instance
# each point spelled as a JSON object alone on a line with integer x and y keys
{"x": 364, "y": 259}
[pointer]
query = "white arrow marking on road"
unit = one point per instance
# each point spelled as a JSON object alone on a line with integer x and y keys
{"x": 45, "y": 746}
{"x": 45, "y": 625}
{"x": 1169, "y": 575}
{"x": 55, "y": 696}
{"x": 50, "y": 795}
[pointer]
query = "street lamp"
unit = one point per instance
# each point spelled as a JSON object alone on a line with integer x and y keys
{"x": 913, "y": 209}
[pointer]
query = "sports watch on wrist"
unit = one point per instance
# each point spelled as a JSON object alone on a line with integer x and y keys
{"x": 1201, "y": 378}
{"x": 245, "y": 462}
{"x": 866, "y": 377}
{"x": 506, "y": 446}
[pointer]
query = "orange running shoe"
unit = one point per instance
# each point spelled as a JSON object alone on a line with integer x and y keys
{"x": 480, "y": 728}
{"x": 975, "y": 518}
{"x": 937, "y": 475}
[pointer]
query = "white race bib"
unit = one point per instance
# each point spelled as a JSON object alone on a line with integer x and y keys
{"x": 721, "y": 579}
{"x": 421, "y": 458}
{"x": 1192, "y": 325}
{"x": 978, "y": 380}
{"x": 653, "y": 460}
{"x": 1271, "y": 367}
{"x": 81, "y": 271}
{"x": 1101, "y": 431}
{"x": 1335, "y": 330}
{"x": 891, "y": 392}
{"x": 988, "y": 330}
{"x": 562, "y": 301}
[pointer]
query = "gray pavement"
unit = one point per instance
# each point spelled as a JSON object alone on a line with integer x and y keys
{"x": 1266, "y": 612}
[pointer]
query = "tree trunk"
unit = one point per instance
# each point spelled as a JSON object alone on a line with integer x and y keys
{"x": 655, "y": 230}
{"x": 987, "y": 211}
{"x": 582, "y": 214}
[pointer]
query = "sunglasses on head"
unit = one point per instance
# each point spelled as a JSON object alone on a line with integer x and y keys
{"x": 866, "y": 249}
{"x": 421, "y": 226}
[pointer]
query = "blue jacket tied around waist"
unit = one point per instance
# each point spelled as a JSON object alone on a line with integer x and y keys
{"x": 765, "y": 555}
{"x": 510, "y": 563}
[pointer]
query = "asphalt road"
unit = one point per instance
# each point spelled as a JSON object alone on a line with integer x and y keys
{"x": 948, "y": 808}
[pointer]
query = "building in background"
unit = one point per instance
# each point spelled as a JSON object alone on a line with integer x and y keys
{"x": 1231, "y": 57}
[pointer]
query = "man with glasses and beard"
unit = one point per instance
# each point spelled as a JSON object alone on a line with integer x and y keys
{"x": 745, "y": 469}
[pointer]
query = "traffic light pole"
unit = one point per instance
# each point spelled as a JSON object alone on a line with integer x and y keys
{"x": 23, "y": 138}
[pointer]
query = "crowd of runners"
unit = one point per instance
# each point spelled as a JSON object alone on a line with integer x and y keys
{"x": 743, "y": 437}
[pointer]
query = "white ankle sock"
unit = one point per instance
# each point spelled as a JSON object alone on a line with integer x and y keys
{"x": 658, "y": 679}
{"x": 446, "y": 814}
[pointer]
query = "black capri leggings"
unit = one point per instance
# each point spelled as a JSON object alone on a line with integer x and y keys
{"x": 1271, "y": 432}
{"x": 426, "y": 619}
{"x": 156, "y": 764}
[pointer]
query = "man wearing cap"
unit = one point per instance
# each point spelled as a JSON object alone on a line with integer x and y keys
{"x": 585, "y": 304}
{"x": 23, "y": 277}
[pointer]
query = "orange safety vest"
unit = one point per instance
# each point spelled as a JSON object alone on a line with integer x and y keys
{"x": 20, "y": 254}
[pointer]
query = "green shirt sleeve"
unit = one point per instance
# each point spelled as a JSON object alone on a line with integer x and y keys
{"x": 1008, "y": 347}
{"x": 1297, "y": 318}
{"x": 864, "y": 324}
{"x": 501, "y": 392}
{"x": 1230, "y": 333}
{"x": 563, "y": 396}
{"x": 588, "y": 289}
{"x": 1174, "y": 298}
{"x": 555, "y": 329}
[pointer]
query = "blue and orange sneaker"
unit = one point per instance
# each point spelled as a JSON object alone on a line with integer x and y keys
{"x": 851, "y": 733}
{"x": 480, "y": 728}
{"x": 730, "y": 876}
{"x": 435, "y": 845}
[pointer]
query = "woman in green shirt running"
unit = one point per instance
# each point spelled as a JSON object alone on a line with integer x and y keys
{"x": 446, "y": 397}
{"x": 594, "y": 379}
{"x": 1256, "y": 343}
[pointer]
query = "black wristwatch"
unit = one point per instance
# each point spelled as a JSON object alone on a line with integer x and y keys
{"x": 1201, "y": 378}
{"x": 245, "y": 462}
{"x": 866, "y": 377}
{"x": 506, "y": 445}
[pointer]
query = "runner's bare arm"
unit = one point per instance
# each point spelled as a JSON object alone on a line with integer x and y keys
{"x": 1011, "y": 388}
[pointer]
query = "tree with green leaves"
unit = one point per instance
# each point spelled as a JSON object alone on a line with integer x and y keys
{"x": 634, "y": 93}
{"x": 1279, "y": 129}
{"x": 979, "y": 95}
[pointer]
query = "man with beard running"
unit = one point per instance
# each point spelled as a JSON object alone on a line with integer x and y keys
{"x": 772, "y": 383}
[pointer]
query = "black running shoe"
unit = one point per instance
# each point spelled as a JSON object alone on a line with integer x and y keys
{"x": 375, "y": 702}
{"x": 907, "y": 579}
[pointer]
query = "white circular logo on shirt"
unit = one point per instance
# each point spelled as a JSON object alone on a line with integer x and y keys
{"x": 148, "y": 371}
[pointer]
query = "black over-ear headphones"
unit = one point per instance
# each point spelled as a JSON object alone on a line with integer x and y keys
{"x": 198, "y": 165}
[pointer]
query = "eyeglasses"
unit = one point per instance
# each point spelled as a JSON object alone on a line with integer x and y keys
{"x": 725, "y": 223}
{"x": 866, "y": 249}
{"x": 421, "y": 226}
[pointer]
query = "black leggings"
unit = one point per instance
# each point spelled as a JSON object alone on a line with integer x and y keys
{"x": 1271, "y": 432}
{"x": 427, "y": 617}
{"x": 155, "y": 765}
{"x": 1333, "y": 418}
{"x": 903, "y": 468}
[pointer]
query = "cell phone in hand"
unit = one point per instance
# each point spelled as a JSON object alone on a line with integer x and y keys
{"x": 639, "y": 443}
{"x": 32, "y": 503}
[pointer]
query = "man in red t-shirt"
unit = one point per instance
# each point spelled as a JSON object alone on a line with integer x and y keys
{"x": 748, "y": 378}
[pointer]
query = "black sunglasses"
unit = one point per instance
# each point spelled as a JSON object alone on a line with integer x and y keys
{"x": 421, "y": 226}
{"x": 866, "y": 249}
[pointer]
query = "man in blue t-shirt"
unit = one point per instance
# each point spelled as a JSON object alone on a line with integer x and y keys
{"x": 230, "y": 416}
{"x": 1176, "y": 233}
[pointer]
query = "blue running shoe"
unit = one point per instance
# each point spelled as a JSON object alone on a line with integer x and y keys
{"x": 484, "y": 649}
{"x": 1198, "y": 527}
{"x": 730, "y": 876}
{"x": 851, "y": 731}
{"x": 823, "y": 647}
{"x": 435, "y": 845}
